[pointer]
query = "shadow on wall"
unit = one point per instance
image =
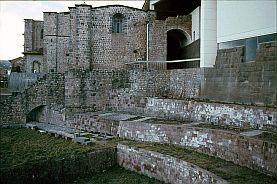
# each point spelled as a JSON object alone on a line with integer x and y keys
{"x": 36, "y": 114}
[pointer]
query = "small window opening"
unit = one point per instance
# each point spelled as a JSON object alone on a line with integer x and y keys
{"x": 118, "y": 23}
{"x": 41, "y": 34}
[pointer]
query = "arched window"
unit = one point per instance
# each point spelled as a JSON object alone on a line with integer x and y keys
{"x": 118, "y": 23}
{"x": 41, "y": 34}
{"x": 36, "y": 67}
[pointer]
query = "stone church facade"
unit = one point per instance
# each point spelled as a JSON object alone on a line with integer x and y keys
{"x": 90, "y": 38}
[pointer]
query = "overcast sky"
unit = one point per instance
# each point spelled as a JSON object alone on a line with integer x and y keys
{"x": 13, "y": 13}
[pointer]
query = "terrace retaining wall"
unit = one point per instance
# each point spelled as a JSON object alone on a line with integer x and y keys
{"x": 162, "y": 167}
{"x": 60, "y": 170}
{"x": 253, "y": 153}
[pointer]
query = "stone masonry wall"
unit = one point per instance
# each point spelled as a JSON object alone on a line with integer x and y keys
{"x": 56, "y": 41}
{"x": 112, "y": 50}
{"x": 253, "y": 153}
{"x": 88, "y": 91}
{"x": 21, "y": 81}
{"x": 178, "y": 84}
{"x": 230, "y": 114}
{"x": 149, "y": 83}
{"x": 233, "y": 80}
{"x": 29, "y": 62}
{"x": 61, "y": 170}
{"x": 188, "y": 110}
{"x": 32, "y": 35}
{"x": 47, "y": 91}
{"x": 158, "y": 35}
{"x": 163, "y": 167}
{"x": 90, "y": 122}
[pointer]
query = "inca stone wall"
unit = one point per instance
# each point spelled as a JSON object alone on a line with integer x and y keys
{"x": 163, "y": 167}
{"x": 188, "y": 110}
{"x": 178, "y": 84}
{"x": 232, "y": 80}
{"x": 253, "y": 153}
{"x": 87, "y": 91}
{"x": 230, "y": 114}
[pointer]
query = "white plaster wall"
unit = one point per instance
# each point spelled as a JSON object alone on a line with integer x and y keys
{"x": 243, "y": 19}
{"x": 195, "y": 27}
{"x": 152, "y": 2}
{"x": 208, "y": 33}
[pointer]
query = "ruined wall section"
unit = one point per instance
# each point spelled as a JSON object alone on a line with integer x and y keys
{"x": 216, "y": 113}
{"x": 56, "y": 41}
{"x": 178, "y": 84}
{"x": 188, "y": 110}
{"x": 33, "y": 44}
{"x": 50, "y": 41}
{"x": 46, "y": 91}
{"x": 88, "y": 91}
{"x": 33, "y": 37}
{"x": 83, "y": 37}
{"x": 233, "y": 80}
{"x": 149, "y": 83}
{"x": 112, "y": 50}
{"x": 184, "y": 83}
{"x": 157, "y": 42}
{"x": 63, "y": 38}
{"x": 28, "y": 36}
{"x": 163, "y": 167}
{"x": 30, "y": 59}
{"x": 250, "y": 152}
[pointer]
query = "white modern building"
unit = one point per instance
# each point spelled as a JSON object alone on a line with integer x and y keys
{"x": 223, "y": 23}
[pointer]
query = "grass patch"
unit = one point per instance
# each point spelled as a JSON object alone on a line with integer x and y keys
{"x": 267, "y": 136}
{"x": 224, "y": 169}
{"x": 164, "y": 121}
{"x": 118, "y": 175}
{"x": 223, "y": 127}
{"x": 23, "y": 146}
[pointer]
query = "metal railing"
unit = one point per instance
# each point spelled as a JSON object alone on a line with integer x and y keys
{"x": 175, "y": 64}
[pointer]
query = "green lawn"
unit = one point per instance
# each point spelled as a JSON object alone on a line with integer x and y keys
{"x": 22, "y": 146}
{"x": 118, "y": 175}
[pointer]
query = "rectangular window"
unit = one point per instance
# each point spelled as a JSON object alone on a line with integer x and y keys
{"x": 267, "y": 38}
{"x": 250, "y": 49}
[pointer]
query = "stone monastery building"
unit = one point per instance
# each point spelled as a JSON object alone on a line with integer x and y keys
{"x": 190, "y": 61}
{"x": 169, "y": 49}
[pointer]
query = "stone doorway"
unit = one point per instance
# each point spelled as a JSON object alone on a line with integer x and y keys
{"x": 176, "y": 42}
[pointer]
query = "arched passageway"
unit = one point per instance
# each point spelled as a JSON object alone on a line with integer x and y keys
{"x": 36, "y": 114}
{"x": 176, "y": 41}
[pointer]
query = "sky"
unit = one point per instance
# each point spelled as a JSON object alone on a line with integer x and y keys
{"x": 13, "y": 13}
